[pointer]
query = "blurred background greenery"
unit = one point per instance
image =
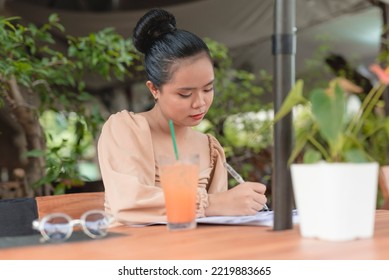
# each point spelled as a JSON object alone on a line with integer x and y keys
{"x": 55, "y": 97}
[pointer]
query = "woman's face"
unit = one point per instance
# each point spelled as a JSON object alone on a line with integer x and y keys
{"x": 186, "y": 98}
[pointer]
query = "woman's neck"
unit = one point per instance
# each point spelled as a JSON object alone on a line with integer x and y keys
{"x": 161, "y": 124}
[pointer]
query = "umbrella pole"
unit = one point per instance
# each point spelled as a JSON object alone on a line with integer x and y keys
{"x": 284, "y": 49}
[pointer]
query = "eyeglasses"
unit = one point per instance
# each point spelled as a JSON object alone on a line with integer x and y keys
{"x": 58, "y": 227}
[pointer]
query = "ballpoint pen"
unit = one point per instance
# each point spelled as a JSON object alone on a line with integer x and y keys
{"x": 239, "y": 178}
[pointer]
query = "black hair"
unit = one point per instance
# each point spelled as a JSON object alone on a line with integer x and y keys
{"x": 156, "y": 36}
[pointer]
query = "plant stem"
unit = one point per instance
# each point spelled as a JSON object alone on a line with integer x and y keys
{"x": 365, "y": 102}
{"x": 354, "y": 120}
{"x": 320, "y": 148}
{"x": 374, "y": 97}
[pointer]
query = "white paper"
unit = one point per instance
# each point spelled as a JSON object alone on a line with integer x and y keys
{"x": 262, "y": 218}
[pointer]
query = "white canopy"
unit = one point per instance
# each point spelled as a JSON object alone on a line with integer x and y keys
{"x": 352, "y": 27}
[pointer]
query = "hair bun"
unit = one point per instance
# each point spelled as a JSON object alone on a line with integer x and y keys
{"x": 151, "y": 26}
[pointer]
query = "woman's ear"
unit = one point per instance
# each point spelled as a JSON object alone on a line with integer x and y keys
{"x": 154, "y": 91}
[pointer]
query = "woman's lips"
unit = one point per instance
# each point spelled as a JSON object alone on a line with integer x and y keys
{"x": 198, "y": 116}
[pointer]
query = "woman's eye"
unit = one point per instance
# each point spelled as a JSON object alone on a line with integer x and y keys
{"x": 208, "y": 89}
{"x": 184, "y": 95}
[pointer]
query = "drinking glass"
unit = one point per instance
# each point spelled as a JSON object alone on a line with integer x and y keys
{"x": 179, "y": 181}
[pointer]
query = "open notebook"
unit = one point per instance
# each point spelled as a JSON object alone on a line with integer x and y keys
{"x": 262, "y": 218}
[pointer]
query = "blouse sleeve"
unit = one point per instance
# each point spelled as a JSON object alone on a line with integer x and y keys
{"x": 127, "y": 167}
{"x": 218, "y": 178}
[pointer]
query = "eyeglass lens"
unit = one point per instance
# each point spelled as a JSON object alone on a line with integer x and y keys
{"x": 96, "y": 224}
{"x": 57, "y": 228}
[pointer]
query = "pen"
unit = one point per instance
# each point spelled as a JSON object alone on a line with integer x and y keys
{"x": 239, "y": 178}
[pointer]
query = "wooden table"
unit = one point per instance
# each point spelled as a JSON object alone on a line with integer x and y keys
{"x": 212, "y": 242}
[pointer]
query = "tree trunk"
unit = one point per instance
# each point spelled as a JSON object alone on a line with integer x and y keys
{"x": 26, "y": 116}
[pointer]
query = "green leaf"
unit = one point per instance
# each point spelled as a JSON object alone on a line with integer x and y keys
{"x": 35, "y": 153}
{"x": 59, "y": 189}
{"x": 300, "y": 142}
{"x": 328, "y": 109}
{"x": 386, "y": 125}
{"x": 355, "y": 155}
{"x": 312, "y": 156}
{"x": 53, "y": 18}
{"x": 294, "y": 98}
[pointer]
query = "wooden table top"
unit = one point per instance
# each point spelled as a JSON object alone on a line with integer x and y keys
{"x": 211, "y": 242}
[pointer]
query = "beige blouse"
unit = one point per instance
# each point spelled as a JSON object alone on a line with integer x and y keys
{"x": 133, "y": 194}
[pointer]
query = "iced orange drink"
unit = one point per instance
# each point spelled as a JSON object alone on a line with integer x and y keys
{"x": 179, "y": 180}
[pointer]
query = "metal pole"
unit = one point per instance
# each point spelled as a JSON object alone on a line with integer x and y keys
{"x": 284, "y": 49}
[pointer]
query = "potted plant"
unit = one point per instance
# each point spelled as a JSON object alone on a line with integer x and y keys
{"x": 335, "y": 186}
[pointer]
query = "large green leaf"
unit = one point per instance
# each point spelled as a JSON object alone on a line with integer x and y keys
{"x": 328, "y": 108}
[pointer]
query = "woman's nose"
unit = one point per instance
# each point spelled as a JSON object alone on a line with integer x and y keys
{"x": 199, "y": 101}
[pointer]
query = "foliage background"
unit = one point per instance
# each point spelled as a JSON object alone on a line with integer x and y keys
{"x": 61, "y": 119}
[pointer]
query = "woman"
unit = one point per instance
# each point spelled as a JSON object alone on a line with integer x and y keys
{"x": 180, "y": 78}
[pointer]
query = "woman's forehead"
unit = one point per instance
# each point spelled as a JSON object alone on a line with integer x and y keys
{"x": 198, "y": 68}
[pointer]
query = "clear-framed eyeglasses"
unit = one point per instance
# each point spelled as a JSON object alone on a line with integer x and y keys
{"x": 58, "y": 227}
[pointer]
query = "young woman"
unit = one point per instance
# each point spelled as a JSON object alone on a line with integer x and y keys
{"x": 180, "y": 78}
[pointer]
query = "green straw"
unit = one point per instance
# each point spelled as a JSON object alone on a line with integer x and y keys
{"x": 173, "y": 138}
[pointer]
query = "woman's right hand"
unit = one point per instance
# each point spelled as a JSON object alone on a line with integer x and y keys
{"x": 244, "y": 199}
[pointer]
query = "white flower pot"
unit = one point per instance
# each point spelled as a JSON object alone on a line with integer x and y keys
{"x": 336, "y": 201}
